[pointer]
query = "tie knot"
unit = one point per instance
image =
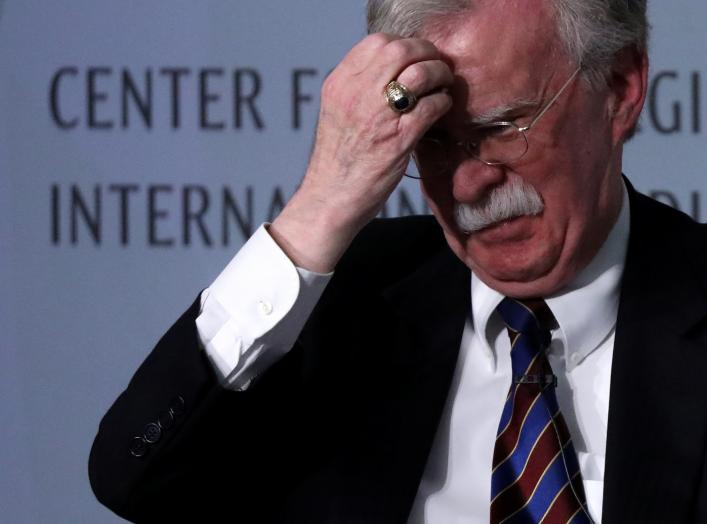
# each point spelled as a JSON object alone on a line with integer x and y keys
{"x": 529, "y": 323}
{"x": 527, "y": 316}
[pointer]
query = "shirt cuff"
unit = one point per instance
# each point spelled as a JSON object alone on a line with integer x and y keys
{"x": 253, "y": 312}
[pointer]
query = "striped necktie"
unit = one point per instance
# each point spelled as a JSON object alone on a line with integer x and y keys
{"x": 536, "y": 477}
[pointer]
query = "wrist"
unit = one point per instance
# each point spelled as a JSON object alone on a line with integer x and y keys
{"x": 313, "y": 233}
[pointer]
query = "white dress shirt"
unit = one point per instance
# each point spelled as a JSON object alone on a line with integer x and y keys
{"x": 253, "y": 312}
{"x": 456, "y": 485}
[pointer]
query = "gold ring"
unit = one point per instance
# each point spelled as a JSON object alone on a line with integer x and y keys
{"x": 399, "y": 97}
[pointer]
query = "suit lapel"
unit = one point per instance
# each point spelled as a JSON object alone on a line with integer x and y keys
{"x": 657, "y": 427}
{"x": 430, "y": 307}
{"x": 419, "y": 323}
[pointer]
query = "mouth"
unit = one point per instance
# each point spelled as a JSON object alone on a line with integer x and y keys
{"x": 502, "y": 223}
{"x": 508, "y": 230}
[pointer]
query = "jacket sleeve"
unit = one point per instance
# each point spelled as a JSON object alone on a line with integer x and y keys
{"x": 176, "y": 445}
{"x": 153, "y": 416}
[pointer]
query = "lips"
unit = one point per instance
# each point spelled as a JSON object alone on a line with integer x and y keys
{"x": 510, "y": 230}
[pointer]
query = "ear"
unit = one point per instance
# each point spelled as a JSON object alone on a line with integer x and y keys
{"x": 628, "y": 84}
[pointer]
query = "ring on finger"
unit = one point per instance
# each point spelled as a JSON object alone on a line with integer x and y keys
{"x": 399, "y": 97}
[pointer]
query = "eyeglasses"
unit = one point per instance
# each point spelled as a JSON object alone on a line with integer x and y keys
{"x": 496, "y": 143}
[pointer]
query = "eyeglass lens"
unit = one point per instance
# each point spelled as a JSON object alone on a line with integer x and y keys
{"x": 495, "y": 144}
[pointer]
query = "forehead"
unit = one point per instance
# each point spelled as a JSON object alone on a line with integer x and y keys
{"x": 500, "y": 50}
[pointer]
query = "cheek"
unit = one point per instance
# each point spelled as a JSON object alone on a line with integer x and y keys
{"x": 566, "y": 211}
{"x": 579, "y": 177}
{"x": 591, "y": 150}
{"x": 590, "y": 177}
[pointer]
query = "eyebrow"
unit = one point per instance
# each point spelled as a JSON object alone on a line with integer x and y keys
{"x": 501, "y": 113}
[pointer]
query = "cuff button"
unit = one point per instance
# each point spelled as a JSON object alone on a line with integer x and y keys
{"x": 138, "y": 447}
{"x": 176, "y": 406}
{"x": 152, "y": 433}
{"x": 165, "y": 420}
{"x": 265, "y": 307}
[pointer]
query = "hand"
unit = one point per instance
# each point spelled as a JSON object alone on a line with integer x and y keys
{"x": 362, "y": 147}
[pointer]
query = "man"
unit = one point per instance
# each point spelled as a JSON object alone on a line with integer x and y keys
{"x": 389, "y": 396}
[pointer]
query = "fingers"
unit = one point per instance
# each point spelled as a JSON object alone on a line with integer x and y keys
{"x": 427, "y": 81}
{"x": 417, "y": 64}
{"x": 357, "y": 130}
{"x": 361, "y": 145}
{"x": 360, "y": 56}
{"x": 397, "y": 55}
{"x": 429, "y": 109}
{"x": 423, "y": 77}
{"x": 382, "y": 56}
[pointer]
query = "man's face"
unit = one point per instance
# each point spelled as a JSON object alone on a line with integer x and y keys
{"x": 506, "y": 55}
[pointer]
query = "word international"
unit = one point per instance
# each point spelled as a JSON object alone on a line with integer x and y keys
{"x": 169, "y": 215}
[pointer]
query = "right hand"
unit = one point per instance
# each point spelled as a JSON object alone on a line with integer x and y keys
{"x": 362, "y": 147}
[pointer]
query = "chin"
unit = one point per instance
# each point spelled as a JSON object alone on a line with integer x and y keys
{"x": 523, "y": 268}
{"x": 534, "y": 278}
{"x": 535, "y": 288}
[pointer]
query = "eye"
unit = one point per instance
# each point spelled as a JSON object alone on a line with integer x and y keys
{"x": 498, "y": 131}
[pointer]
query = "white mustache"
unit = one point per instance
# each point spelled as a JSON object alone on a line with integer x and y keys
{"x": 513, "y": 199}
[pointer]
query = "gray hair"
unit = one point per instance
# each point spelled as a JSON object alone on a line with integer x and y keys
{"x": 593, "y": 32}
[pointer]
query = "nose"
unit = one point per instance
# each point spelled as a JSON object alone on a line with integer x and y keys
{"x": 472, "y": 180}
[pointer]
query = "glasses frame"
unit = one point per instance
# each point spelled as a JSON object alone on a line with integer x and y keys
{"x": 469, "y": 148}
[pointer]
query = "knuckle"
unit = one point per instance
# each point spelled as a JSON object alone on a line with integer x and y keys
{"x": 427, "y": 47}
{"x": 396, "y": 51}
{"x": 329, "y": 87}
{"x": 377, "y": 40}
{"x": 432, "y": 107}
{"x": 427, "y": 110}
{"x": 414, "y": 76}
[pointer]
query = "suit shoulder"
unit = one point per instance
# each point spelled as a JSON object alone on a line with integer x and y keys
{"x": 670, "y": 224}
{"x": 680, "y": 240}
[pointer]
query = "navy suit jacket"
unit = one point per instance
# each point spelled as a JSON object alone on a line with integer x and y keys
{"x": 340, "y": 429}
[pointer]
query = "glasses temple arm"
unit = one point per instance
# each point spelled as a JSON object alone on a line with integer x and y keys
{"x": 552, "y": 101}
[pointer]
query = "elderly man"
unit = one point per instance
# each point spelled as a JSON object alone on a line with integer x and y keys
{"x": 534, "y": 353}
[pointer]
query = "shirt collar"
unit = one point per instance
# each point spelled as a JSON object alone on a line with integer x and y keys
{"x": 483, "y": 304}
{"x": 585, "y": 310}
